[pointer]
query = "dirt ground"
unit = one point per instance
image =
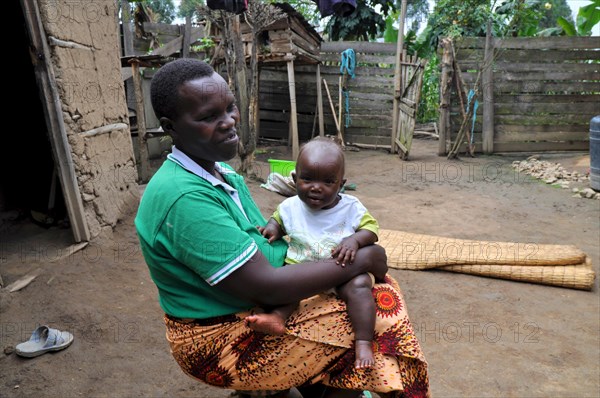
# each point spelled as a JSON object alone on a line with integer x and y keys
{"x": 482, "y": 337}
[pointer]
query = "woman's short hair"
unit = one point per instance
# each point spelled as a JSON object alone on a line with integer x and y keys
{"x": 164, "y": 88}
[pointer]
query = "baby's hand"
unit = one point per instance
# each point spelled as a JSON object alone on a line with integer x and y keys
{"x": 269, "y": 231}
{"x": 345, "y": 252}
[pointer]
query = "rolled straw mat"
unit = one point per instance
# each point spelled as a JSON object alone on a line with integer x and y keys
{"x": 557, "y": 265}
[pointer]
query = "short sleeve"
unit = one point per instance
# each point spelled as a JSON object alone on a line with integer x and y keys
{"x": 277, "y": 216}
{"x": 369, "y": 223}
{"x": 205, "y": 235}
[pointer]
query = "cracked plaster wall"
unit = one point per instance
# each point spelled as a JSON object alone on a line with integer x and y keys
{"x": 84, "y": 44}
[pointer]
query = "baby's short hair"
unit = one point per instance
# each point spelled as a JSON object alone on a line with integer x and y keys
{"x": 164, "y": 89}
{"x": 322, "y": 142}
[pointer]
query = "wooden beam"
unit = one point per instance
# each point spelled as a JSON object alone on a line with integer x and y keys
{"x": 104, "y": 129}
{"x": 487, "y": 82}
{"x": 358, "y": 46}
{"x": 445, "y": 97}
{"x": 337, "y": 125}
{"x": 175, "y": 45}
{"x": 61, "y": 152}
{"x": 127, "y": 33}
{"x": 341, "y": 82}
{"x": 320, "y": 102}
{"x": 401, "y": 147}
{"x": 141, "y": 123}
{"x": 294, "y": 115}
{"x": 187, "y": 33}
{"x": 397, "y": 76}
{"x": 126, "y": 73}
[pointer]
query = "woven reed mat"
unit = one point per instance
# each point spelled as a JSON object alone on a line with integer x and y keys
{"x": 557, "y": 265}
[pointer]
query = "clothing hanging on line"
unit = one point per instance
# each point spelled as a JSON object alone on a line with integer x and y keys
{"x": 341, "y": 8}
{"x": 234, "y": 6}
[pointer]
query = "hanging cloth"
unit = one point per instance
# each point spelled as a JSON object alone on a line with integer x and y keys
{"x": 234, "y": 6}
{"x": 347, "y": 66}
{"x": 475, "y": 106}
{"x": 341, "y": 8}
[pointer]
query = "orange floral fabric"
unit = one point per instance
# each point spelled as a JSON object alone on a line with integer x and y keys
{"x": 318, "y": 347}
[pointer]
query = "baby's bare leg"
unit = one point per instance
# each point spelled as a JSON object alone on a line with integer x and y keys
{"x": 272, "y": 322}
{"x": 361, "y": 310}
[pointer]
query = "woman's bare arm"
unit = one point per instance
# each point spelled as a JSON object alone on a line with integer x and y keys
{"x": 257, "y": 281}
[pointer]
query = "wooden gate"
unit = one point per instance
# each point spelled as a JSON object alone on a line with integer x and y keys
{"x": 407, "y": 103}
{"x": 538, "y": 93}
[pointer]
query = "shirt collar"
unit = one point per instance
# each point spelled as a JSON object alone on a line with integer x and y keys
{"x": 187, "y": 163}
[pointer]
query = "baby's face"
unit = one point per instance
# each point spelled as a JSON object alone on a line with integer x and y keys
{"x": 319, "y": 178}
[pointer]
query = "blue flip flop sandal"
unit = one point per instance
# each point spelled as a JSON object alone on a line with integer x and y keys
{"x": 42, "y": 340}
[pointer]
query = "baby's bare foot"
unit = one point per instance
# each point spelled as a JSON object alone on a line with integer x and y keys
{"x": 364, "y": 354}
{"x": 266, "y": 323}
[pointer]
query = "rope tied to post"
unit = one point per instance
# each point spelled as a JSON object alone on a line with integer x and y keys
{"x": 347, "y": 66}
{"x": 475, "y": 106}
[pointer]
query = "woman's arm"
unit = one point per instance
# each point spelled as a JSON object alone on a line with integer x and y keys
{"x": 257, "y": 281}
{"x": 345, "y": 252}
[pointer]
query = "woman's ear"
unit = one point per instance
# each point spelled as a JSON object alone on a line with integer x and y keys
{"x": 167, "y": 126}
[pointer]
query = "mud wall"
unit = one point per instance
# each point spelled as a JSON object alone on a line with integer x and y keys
{"x": 84, "y": 42}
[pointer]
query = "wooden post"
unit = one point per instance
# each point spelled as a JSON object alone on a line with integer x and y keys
{"x": 397, "y": 77}
{"x": 341, "y": 107}
{"x": 187, "y": 35}
{"x": 127, "y": 33}
{"x": 488, "y": 92}
{"x": 293, "y": 110}
{"x": 320, "y": 102}
{"x": 445, "y": 96}
{"x": 342, "y": 111}
{"x": 337, "y": 125}
{"x": 141, "y": 122}
{"x": 53, "y": 114}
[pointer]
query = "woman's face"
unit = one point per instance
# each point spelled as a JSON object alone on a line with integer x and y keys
{"x": 319, "y": 179}
{"x": 205, "y": 128}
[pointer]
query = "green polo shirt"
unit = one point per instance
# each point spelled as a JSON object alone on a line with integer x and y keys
{"x": 193, "y": 235}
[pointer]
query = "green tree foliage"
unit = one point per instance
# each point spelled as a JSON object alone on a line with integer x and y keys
{"x": 416, "y": 12}
{"x": 517, "y": 18}
{"x": 307, "y": 8}
{"x": 162, "y": 11}
{"x": 451, "y": 18}
{"x": 363, "y": 24}
{"x": 189, "y": 8}
{"x": 552, "y": 10}
{"x": 430, "y": 92}
{"x": 587, "y": 18}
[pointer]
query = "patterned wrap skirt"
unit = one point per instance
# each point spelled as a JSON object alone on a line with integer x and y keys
{"x": 318, "y": 347}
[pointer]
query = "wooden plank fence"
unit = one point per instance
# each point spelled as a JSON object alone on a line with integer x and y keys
{"x": 371, "y": 94}
{"x": 544, "y": 93}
